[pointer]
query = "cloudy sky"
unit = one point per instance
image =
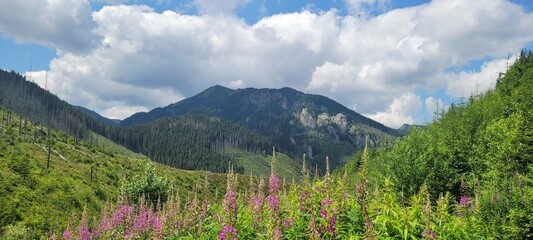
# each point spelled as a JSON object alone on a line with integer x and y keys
{"x": 395, "y": 61}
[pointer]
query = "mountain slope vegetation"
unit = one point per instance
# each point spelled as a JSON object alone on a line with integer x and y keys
{"x": 296, "y": 122}
{"x": 191, "y": 142}
{"x": 188, "y": 142}
{"x": 480, "y": 150}
{"x": 40, "y": 195}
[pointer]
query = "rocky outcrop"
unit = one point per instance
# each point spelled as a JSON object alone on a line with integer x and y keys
{"x": 307, "y": 119}
{"x": 342, "y": 121}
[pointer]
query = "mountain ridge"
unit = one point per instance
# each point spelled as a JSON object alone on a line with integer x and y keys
{"x": 297, "y": 122}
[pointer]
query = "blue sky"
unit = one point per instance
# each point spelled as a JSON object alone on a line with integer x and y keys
{"x": 392, "y": 60}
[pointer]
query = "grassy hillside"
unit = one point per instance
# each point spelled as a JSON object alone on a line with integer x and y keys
{"x": 259, "y": 165}
{"x": 80, "y": 176}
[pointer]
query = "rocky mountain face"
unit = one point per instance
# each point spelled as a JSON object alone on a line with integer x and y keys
{"x": 296, "y": 122}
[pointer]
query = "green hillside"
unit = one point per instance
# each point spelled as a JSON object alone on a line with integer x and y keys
{"x": 80, "y": 176}
{"x": 480, "y": 150}
{"x": 259, "y": 165}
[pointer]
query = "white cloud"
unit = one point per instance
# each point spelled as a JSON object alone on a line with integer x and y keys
{"x": 120, "y": 112}
{"x": 236, "y": 84}
{"x": 466, "y": 83}
{"x": 400, "y": 111}
{"x": 149, "y": 59}
{"x": 434, "y": 105}
{"x": 63, "y": 24}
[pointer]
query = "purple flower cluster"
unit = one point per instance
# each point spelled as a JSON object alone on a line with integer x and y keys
{"x": 83, "y": 231}
{"x": 227, "y": 232}
{"x": 274, "y": 185}
{"x": 304, "y": 196}
{"x": 464, "y": 201}
{"x": 288, "y": 222}
{"x": 325, "y": 213}
{"x": 68, "y": 235}
{"x": 230, "y": 202}
{"x": 257, "y": 208}
{"x": 120, "y": 216}
{"x": 332, "y": 224}
{"x": 273, "y": 202}
{"x": 147, "y": 221}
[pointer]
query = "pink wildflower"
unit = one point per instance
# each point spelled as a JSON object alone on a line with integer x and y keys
{"x": 227, "y": 232}
{"x": 274, "y": 185}
{"x": 273, "y": 202}
{"x": 83, "y": 231}
{"x": 465, "y": 200}
{"x": 67, "y": 235}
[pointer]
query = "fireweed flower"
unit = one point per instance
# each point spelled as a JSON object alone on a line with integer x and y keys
{"x": 287, "y": 223}
{"x": 230, "y": 206}
{"x": 67, "y": 235}
{"x": 332, "y": 225}
{"x": 274, "y": 184}
{"x": 121, "y": 215}
{"x": 102, "y": 228}
{"x": 83, "y": 231}
{"x": 274, "y": 188}
{"x": 304, "y": 196}
{"x": 144, "y": 220}
{"x": 227, "y": 232}
{"x": 465, "y": 200}
{"x": 273, "y": 203}
{"x": 257, "y": 209}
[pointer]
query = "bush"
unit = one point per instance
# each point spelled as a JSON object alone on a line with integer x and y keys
{"x": 154, "y": 188}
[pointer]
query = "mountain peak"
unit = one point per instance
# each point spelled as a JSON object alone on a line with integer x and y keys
{"x": 217, "y": 89}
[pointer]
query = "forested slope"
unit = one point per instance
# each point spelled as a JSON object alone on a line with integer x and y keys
{"x": 192, "y": 142}
{"x": 480, "y": 149}
{"x": 188, "y": 142}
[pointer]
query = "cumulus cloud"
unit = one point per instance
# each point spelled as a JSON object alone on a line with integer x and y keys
{"x": 400, "y": 111}
{"x": 466, "y": 83}
{"x": 434, "y": 105}
{"x": 63, "y": 24}
{"x": 145, "y": 59}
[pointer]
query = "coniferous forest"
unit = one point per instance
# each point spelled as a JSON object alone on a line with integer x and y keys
{"x": 466, "y": 175}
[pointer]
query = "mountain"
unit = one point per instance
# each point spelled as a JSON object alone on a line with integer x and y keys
{"x": 406, "y": 128}
{"x": 297, "y": 123}
{"x": 98, "y": 117}
{"x": 187, "y": 142}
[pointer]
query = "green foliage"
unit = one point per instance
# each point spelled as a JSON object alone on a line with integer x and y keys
{"x": 480, "y": 152}
{"x": 41, "y": 200}
{"x": 154, "y": 188}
